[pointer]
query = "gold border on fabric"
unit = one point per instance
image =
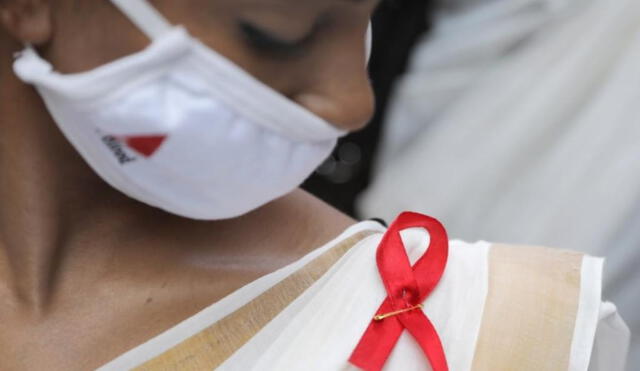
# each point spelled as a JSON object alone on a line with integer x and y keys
{"x": 210, "y": 347}
{"x": 530, "y": 311}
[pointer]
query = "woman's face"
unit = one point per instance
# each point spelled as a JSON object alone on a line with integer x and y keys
{"x": 312, "y": 51}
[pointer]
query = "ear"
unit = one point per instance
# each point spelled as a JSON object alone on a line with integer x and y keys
{"x": 28, "y": 21}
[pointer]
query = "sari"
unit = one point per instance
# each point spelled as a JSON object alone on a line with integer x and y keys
{"x": 497, "y": 307}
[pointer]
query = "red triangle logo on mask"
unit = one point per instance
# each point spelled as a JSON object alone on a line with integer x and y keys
{"x": 145, "y": 145}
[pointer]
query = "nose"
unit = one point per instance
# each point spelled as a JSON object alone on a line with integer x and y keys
{"x": 339, "y": 91}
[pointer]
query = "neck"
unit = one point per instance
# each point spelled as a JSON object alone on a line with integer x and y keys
{"x": 51, "y": 202}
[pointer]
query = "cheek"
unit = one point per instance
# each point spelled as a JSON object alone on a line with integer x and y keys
{"x": 214, "y": 23}
{"x": 286, "y": 77}
{"x": 84, "y": 39}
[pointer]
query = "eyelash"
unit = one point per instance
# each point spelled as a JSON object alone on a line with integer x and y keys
{"x": 263, "y": 42}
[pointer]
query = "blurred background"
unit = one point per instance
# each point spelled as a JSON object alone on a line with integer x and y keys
{"x": 512, "y": 121}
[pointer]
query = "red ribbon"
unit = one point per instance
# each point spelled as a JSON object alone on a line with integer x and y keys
{"x": 407, "y": 287}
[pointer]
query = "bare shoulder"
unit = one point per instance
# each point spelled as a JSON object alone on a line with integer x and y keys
{"x": 313, "y": 221}
{"x": 279, "y": 232}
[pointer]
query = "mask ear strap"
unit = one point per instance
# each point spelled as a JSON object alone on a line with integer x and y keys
{"x": 147, "y": 18}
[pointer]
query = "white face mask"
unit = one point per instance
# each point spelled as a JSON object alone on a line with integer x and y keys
{"x": 180, "y": 127}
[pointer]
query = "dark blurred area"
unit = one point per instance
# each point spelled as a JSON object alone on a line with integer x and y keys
{"x": 397, "y": 26}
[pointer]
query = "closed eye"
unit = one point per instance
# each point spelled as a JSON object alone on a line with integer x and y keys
{"x": 264, "y": 41}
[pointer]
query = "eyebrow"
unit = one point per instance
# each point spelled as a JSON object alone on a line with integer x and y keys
{"x": 364, "y": 1}
{"x": 343, "y": 1}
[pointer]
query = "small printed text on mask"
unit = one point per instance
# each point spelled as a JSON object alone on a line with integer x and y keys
{"x": 116, "y": 147}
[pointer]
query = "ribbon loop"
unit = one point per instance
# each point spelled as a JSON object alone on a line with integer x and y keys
{"x": 407, "y": 288}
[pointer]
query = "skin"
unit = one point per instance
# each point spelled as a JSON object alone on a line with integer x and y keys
{"x": 87, "y": 273}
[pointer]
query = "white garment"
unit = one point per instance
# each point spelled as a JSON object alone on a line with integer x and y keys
{"x": 320, "y": 328}
{"x": 519, "y": 121}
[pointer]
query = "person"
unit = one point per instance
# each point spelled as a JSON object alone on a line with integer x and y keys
{"x": 150, "y": 170}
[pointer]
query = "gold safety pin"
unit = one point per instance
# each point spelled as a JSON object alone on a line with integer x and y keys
{"x": 380, "y": 317}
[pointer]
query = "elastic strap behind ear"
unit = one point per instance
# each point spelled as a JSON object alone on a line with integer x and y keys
{"x": 147, "y": 18}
